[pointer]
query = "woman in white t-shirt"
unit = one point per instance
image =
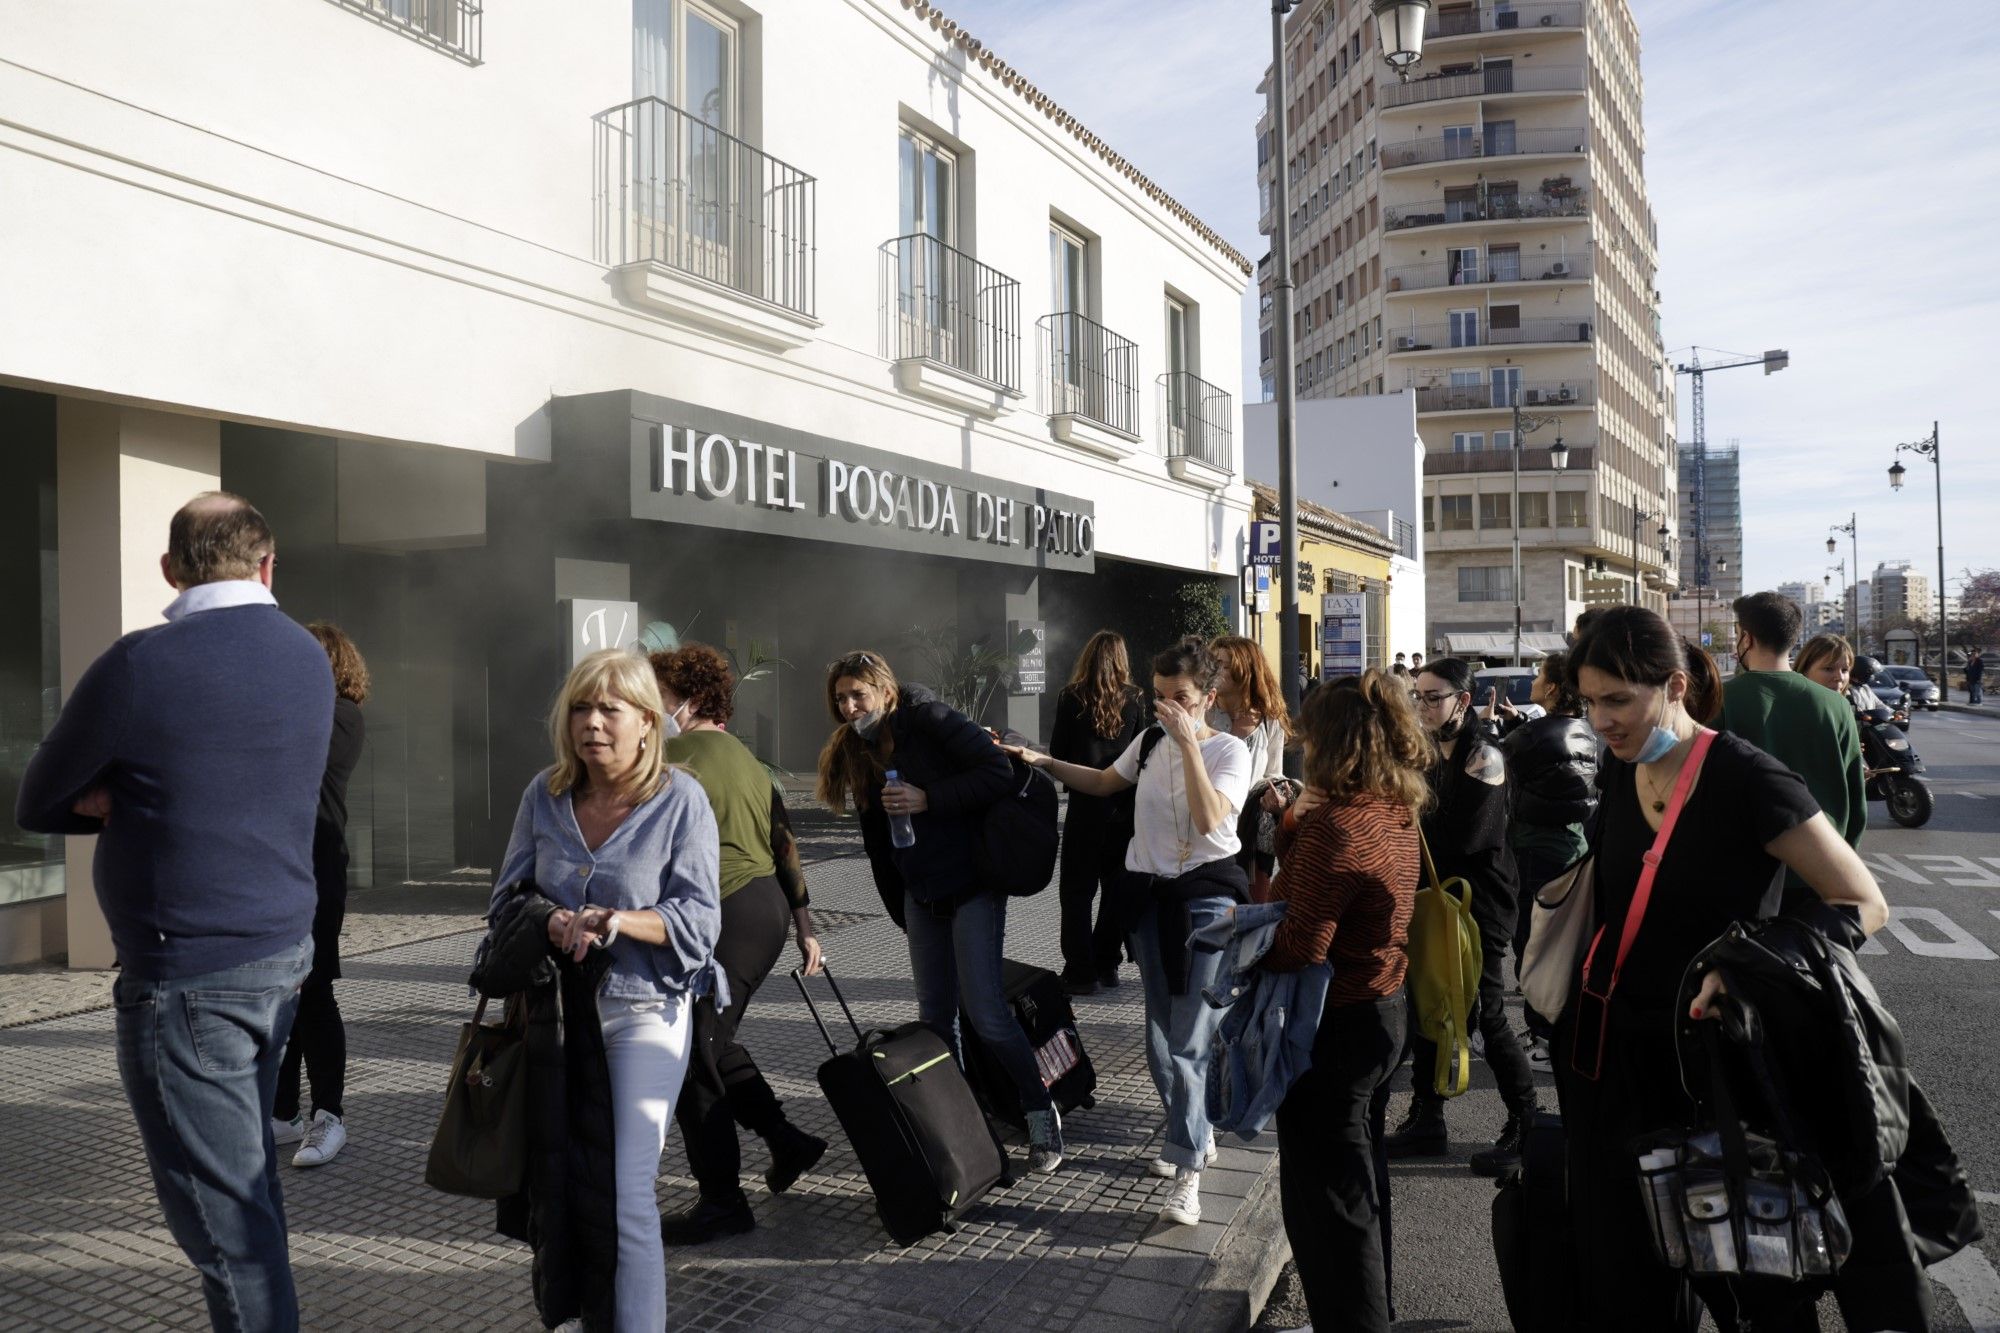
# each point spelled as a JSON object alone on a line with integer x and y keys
{"x": 1181, "y": 874}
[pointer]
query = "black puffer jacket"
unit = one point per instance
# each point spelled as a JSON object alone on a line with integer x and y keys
{"x": 960, "y": 770}
{"x": 1552, "y": 771}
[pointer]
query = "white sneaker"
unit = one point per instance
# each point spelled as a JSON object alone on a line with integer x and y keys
{"x": 325, "y": 1137}
{"x": 288, "y": 1131}
{"x": 1183, "y": 1205}
{"x": 1538, "y": 1055}
{"x": 1166, "y": 1170}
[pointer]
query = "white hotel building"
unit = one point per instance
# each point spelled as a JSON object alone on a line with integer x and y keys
{"x": 695, "y": 313}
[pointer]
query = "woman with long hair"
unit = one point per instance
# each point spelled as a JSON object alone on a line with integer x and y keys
{"x": 1097, "y": 715}
{"x": 626, "y": 849}
{"x": 1182, "y": 876}
{"x": 946, "y": 772}
{"x": 763, "y": 893}
{"x": 1249, "y": 694}
{"x": 319, "y": 1035}
{"x": 1617, "y": 1070}
{"x": 1350, "y": 869}
{"x": 1829, "y": 660}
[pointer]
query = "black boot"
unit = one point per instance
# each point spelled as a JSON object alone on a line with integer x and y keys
{"x": 1504, "y": 1157}
{"x": 706, "y": 1220}
{"x": 1422, "y": 1133}
{"x": 793, "y": 1153}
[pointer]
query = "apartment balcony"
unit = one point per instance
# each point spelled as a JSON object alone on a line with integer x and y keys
{"x": 687, "y": 214}
{"x": 1494, "y": 81}
{"x": 1478, "y": 148}
{"x": 1527, "y": 333}
{"x": 1582, "y": 458}
{"x": 1488, "y": 270}
{"x": 1090, "y": 384}
{"x": 951, "y": 324}
{"x": 1196, "y": 418}
{"x": 1471, "y": 21}
{"x": 1502, "y": 397}
{"x": 1564, "y": 203}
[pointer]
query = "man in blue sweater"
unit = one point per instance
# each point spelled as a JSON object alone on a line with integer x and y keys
{"x": 194, "y": 751}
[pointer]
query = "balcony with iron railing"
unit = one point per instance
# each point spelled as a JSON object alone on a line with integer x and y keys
{"x": 1491, "y": 81}
{"x": 1089, "y": 375}
{"x": 1196, "y": 418}
{"x": 1564, "y": 203}
{"x": 1470, "y": 21}
{"x": 1487, "y": 269}
{"x": 1582, "y": 458}
{"x": 940, "y": 305}
{"x": 1431, "y": 337}
{"x": 677, "y": 196}
{"x": 1493, "y": 143}
{"x": 1503, "y": 396}
{"x": 453, "y": 27}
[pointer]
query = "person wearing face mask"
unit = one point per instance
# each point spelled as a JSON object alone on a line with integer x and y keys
{"x": 763, "y": 891}
{"x": 1617, "y": 1071}
{"x": 1467, "y": 831}
{"x": 1182, "y": 875}
{"x": 948, "y": 771}
{"x": 1251, "y": 708}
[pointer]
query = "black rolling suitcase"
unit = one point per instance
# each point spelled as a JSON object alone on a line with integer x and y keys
{"x": 927, "y": 1150}
{"x": 1041, "y": 1006}
{"x": 1531, "y": 1233}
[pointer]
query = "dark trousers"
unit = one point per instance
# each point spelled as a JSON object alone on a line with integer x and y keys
{"x": 724, "y": 1087}
{"x": 1092, "y": 867}
{"x": 1332, "y": 1171}
{"x": 319, "y": 1040}
{"x": 1504, "y": 1055}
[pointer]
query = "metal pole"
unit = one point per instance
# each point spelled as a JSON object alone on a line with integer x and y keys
{"x": 1638, "y": 598}
{"x": 1854, "y": 553}
{"x": 1288, "y": 463}
{"x": 1944, "y": 629}
{"x": 1514, "y": 518}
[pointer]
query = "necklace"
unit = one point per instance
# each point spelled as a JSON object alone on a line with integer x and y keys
{"x": 1657, "y": 798}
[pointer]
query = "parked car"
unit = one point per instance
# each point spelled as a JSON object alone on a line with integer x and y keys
{"x": 1921, "y": 690}
{"x": 1889, "y": 690}
{"x": 1516, "y": 685}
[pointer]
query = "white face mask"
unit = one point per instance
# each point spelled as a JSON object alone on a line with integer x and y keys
{"x": 670, "y": 725}
{"x": 865, "y": 725}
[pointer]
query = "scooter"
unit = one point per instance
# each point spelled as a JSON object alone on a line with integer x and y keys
{"x": 1892, "y": 770}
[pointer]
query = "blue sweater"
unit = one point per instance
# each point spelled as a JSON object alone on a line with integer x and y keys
{"x": 210, "y": 734}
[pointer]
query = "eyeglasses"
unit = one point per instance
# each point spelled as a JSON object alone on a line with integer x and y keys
{"x": 1429, "y": 698}
{"x": 867, "y": 661}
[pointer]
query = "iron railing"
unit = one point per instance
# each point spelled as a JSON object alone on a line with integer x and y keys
{"x": 1196, "y": 417}
{"x": 1429, "y": 337}
{"x": 1494, "y": 143}
{"x": 676, "y": 191}
{"x": 1497, "y": 206}
{"x": 1089, "y": 371}
{"x": 1488, "y": 82}
{"x": 1485, "y": 397}
{"x": 940, "y": 304}
{"x": 454, "y": 27}
{"x": 1502, "y": 267}
{"x": 1405, "y": 538}
{"x": 1464, "y": 22}
{"x": 1582, "y": 458}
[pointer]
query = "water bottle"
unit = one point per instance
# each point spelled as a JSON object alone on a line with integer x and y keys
{"x": 901, "y": 831}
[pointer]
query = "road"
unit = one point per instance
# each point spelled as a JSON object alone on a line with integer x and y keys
{"x": 1937, "y": 967}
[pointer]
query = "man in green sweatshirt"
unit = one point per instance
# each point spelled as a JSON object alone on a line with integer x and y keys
{"x": 1804, "y": 726}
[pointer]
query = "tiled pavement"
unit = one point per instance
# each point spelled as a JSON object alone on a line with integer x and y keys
{"x": 82, "y": 1245}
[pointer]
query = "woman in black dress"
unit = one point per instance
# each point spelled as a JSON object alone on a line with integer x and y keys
{"x": 1616, "y": 1068}
{"x": 1098, "y": 714}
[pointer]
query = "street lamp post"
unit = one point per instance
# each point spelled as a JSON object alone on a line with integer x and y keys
{"x": 1558, "y": 457}
{"x": 1928, "y": 448}
{"x": 1641, "y": 516}
{"x": 1400, "y": 25}
{"x": 1854, "y": 550}
{"x": 1826, "y": 581}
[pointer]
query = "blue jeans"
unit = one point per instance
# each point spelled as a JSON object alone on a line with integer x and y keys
{"x": 1180, "y": 1029}
{"x": 199, "y": 1060}
{"x": 956, "y": 960}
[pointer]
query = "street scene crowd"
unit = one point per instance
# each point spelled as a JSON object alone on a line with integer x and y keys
{"x": 1660, "y": 861}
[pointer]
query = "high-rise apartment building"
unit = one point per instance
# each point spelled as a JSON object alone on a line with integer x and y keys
{"x": 1481, "y": 236}
{"x": 1901, "y": 593}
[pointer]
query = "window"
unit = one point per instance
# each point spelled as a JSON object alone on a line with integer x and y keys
{"x": 926, "y": 278}
{"x": 1464, "y": 328}
{"x": 1503, "y": 440}
{"x": 1496, "y": 511}
{"x": 1506, "y": 382}
{"x": 1534, "y": 510}
{"x": 1075, "y": 357}
{"x": 698, "y": 72}
{"x": 1069, "y": 272}
{"x": 1485, "y": 583}
{"x": 1468, "y": 441}
{"x": 1455, "y": 513}
{"x": 1430, "y": 521}
{"x": 1569, "y": 509}
{"x": 1503, "y": 263}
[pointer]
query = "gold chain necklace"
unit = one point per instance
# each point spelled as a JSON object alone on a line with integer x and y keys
{"x": 1657, "y": 799}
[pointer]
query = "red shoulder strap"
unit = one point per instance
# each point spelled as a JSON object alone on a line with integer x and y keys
{"x": 1643, "y": 894}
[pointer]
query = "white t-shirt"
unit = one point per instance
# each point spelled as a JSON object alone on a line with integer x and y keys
{"x": 1164, "y": 840}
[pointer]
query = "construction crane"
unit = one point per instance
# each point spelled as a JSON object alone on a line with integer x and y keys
{"x": 1772, "y": 361}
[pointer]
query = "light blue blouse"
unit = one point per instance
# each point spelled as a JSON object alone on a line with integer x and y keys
{"x": 664, "y": 857}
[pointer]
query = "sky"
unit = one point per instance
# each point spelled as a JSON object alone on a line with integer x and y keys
{"x": 1825, "y": 182}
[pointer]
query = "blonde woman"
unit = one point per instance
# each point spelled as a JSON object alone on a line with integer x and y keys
{"x": 627, "y": 850}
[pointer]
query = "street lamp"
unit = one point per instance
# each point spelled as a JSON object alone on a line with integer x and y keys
{"x": 1522, "y": 425}
{"x": 1400, "y": 25}
{"x": 1854, "y": 550}
{"x": 1640, "y": 516}
{"x": 1928, "y": 448}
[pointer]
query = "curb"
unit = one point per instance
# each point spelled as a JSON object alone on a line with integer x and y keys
{"x": 1253, "y": 1252}
{"x": 1976, "y": 710}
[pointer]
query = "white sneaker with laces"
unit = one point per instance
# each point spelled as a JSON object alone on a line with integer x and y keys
{"x": 1166, "y": 1170}
{"x": 288, "y": 1131}
{"x": 1183, "y": 1205}
{"x": 325, "y": 1137}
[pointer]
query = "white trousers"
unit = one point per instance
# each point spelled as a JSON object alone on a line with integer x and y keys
{"x": 646, "y": 1045}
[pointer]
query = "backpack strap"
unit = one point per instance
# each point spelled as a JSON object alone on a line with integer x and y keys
{"x": 1148, "y": 739}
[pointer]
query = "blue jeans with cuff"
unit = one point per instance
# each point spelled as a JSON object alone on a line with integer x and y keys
{"x": 199, "y": 1060}
{"x": 1180, "y": 1029}
{"x": 956, "y": 960}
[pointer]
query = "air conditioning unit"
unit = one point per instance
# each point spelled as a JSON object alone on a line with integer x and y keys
{"x": 1565, "y": 394}
{"x": 1559, "y": 269}
{"x": 1506, "y": 18}
{"x": 1548, "y": 20}
{"x": 1534, "y": 398}
{"x": 1405, "y": 341}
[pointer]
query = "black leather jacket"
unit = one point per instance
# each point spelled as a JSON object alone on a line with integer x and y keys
{"x": 1552, "y": 770}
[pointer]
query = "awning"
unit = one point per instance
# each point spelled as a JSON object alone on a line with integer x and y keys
{"x": 1533, "y": 644}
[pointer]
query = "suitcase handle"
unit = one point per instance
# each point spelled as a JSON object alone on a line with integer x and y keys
{"x": 798, "y": 975}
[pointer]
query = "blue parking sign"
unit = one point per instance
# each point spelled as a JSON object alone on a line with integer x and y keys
{"x": 1266, "y": 543}
{"x": 1707, "y": 639}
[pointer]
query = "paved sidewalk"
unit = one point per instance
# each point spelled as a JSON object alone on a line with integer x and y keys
{"x": 82, "y": 1245}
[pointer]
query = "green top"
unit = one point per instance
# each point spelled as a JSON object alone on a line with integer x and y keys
{"x": 1810, "y": 730}
{"x": 750, "y": 820}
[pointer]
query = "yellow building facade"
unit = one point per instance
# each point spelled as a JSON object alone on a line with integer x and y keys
{"x": 1337, "y": 554}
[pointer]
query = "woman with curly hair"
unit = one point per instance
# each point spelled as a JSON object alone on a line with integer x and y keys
{"x": 763, "y": 891}
{"x": 1098, "y": 714}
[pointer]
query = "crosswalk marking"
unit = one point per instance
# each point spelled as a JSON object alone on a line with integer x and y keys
{"x": 1969, "y": 1277}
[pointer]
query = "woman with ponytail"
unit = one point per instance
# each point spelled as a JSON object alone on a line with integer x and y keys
{"x": 1098, "y": 715}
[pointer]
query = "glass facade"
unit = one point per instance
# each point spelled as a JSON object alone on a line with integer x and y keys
{"x": 31, "y": 865}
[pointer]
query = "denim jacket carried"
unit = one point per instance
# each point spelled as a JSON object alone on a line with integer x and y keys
{"x": 1265, "y": 1042}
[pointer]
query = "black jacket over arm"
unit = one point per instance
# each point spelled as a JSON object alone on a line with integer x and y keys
{"x": 1467, "y": 832}
{"x": 1552, "y": 769}
{"x": 960, "y": 771}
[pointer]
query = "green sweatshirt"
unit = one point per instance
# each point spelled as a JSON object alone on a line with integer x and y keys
{"x": 1810, "y": 730}
{"x": 750, "y": 820}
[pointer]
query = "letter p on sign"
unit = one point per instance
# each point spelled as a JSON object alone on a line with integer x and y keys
{"x": 1266, "y": 543}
